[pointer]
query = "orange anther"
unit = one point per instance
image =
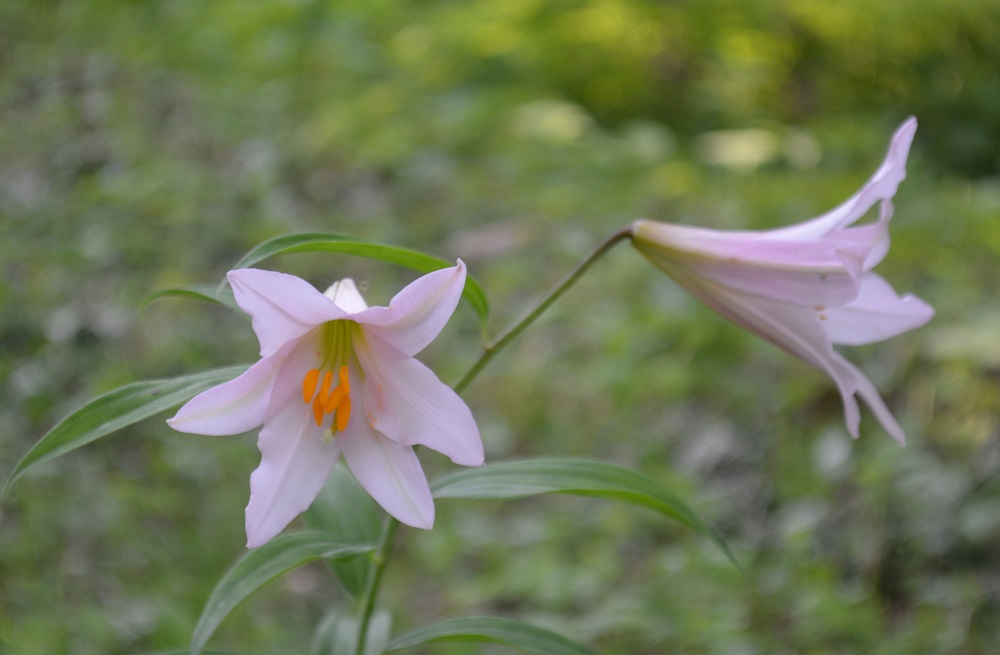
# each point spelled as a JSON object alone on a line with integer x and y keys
{"x": 318, "y": 410}
{"x": 334, "y": 399}
{"x": 343, "y": 413}
{"x": 344, "y": 379}
{"x": 309, "y": 385}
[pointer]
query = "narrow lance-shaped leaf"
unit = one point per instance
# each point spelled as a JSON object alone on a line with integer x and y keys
{"x": 258, "y": 567}
{"x": 347, "y": 513}
{"x": 118, "y": 409}
{"x": 338, "y": 243}
{"x": 521, "y": 478}
{"x": 198, "y": 292}
{"x": 491, "y": 629}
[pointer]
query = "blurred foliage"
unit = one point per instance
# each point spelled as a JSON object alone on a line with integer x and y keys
{"x": 145, "y": 145}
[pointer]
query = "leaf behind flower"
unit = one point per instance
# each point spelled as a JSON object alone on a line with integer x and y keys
{"x": 509, "y": 632}
{"x": 346, "y": 245}
{"x": 207, "y": 292}
{"x": 118, "y": 409}
{"x": 530, "y": 477}
{"x": 258, "y": 567}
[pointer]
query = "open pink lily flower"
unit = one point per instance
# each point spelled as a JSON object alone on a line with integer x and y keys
{"x": 807, "y": 286}
{"x": 338, "y": 377}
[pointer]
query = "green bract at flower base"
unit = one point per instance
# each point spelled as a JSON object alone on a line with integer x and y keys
{"x": 338, "y": 377}
{"x": 807, "y": 286}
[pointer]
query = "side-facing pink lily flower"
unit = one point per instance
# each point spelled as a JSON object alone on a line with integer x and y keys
{"x": 338, "y": 377}
{"x": 807, "y": 286}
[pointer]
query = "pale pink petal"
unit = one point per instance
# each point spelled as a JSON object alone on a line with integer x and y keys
{"x": 406, "y": 402}
{"x": 301, "y": 356}
{"x": 796, "y": 330}
{"x": 801, "y": 273}
{"x": 800, "y": 331}
{"x": 282, "y": 307}
{"x": 806, "y": 286}
{"x": 296, "y": 458}
{"x": 419, "y": 312}
{"x": 345, "y": 295}
{"x": 872, "y": 238}
{"x": 390, "y": 473}
{"x": 881, "y": 186}
{"x": 870, "y": 395}
{"x": 877, "y": 314}
{"x": 879, "y": 240}
{"x": 748, "y": 247}
{"x": 231, "y": 407}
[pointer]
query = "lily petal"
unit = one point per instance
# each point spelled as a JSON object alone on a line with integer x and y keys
{"x": 797, "y": 332}
{"x": 800, "y": 332}
{"x": 881, "y": 186}
{"x": 296, "y": 359}
{"x": 295, "y": 462}
{"x": 877, "y": 314}
{"x": 406, "y": 402}
{"x": 871, "y": 396}
{"x": 345, "y": 295}
{"x": 390, "y": 473}
{"x": 282, "y": 307}
{"x": 812, "y": 272}
{"x": 231, "y": 407}
{"x": 873, "y": 237}
{"x": 419, "y": 312}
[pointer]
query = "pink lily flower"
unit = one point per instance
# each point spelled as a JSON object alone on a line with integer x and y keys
{"x": 338, "y": 377}
{"x": 807, "y": 286}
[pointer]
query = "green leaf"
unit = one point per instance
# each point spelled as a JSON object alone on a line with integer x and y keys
{"x": 492, "y": 629}
{"x": 258, "y": 567}
{"x": 339, "y": 243}
{"x": 118, "y": 409}
{"x": 530, "y": 477}
{"x": 345, "y": 512}
{"x": 198, "y": 292}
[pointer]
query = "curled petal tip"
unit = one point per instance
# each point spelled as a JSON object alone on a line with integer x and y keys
{"x": 902, "y": 138}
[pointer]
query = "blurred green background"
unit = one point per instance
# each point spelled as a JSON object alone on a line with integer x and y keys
{"x": 147, "y": 144}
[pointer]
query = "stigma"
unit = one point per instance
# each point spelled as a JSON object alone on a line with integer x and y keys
{"x": 317, "y": 391}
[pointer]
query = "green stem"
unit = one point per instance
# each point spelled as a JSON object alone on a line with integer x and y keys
{"x": 380, "y": 559}
{"x": 490, "y": 351}
{"x": 391, "y": 525}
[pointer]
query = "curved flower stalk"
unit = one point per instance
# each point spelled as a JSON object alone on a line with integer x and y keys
{"x": 338, "y": 377}
{"x": 807, "y": 286}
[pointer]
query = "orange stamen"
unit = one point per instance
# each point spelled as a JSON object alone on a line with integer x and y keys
{"x": 326, "y": 400}
{"x": 318, "y": 411}
{"x": 309, "y": 385}
{"x": 343, "y": 389}
{"x": 343, "y": 413}
{"x": 334, "y": 399}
